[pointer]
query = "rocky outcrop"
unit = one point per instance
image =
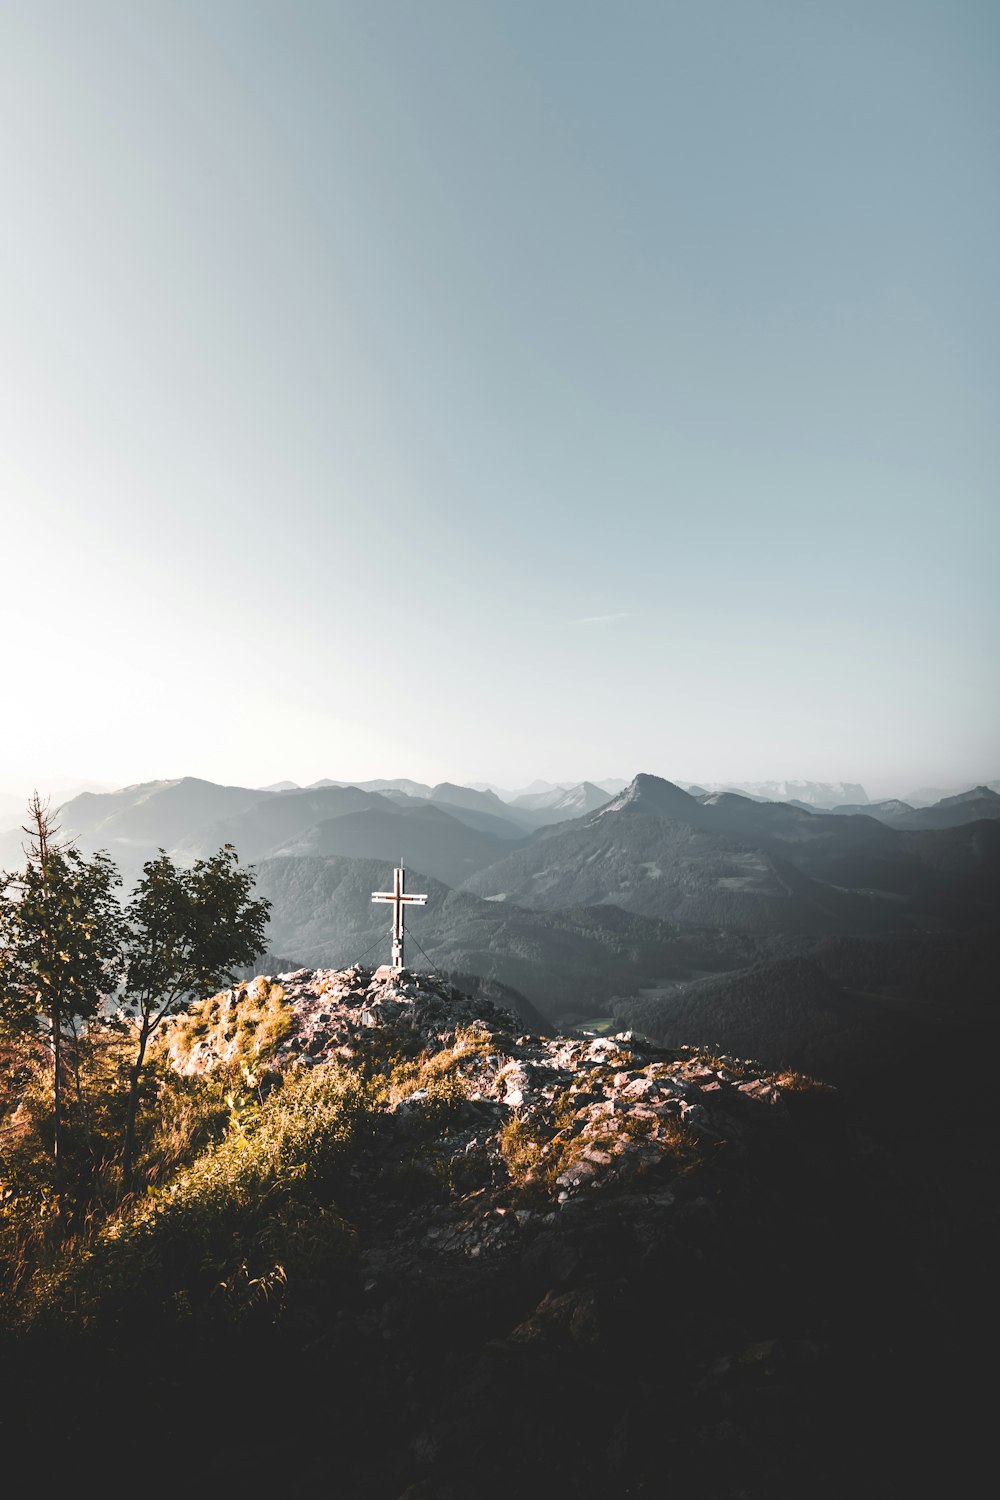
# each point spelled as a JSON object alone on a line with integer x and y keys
{"x": 604, "y": 1108}
{"x": 590, "y": 1266}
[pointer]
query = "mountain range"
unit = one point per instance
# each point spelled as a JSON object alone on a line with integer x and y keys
{"x": 448, "y": 831}
{"x": 636, "y": 908}
{"x": 821, "y": 794}
{"x": 724, "y": 861}
{"x": 949, "y": 812}
{"x": 716, "y": 859}
{"x": 926, "y": 796}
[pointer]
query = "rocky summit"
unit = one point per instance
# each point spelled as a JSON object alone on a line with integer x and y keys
{"x": 612, "y": 1111}
{"x": 575, "y": 1265}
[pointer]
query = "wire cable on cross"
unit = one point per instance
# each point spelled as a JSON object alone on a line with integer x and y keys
{"x": 434, "y": 967}
{"x": 369, "y": 949}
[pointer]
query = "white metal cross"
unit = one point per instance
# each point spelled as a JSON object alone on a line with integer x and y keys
{"x": 399, "y": 899}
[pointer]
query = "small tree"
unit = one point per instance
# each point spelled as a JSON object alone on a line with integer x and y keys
{"x": 60, "y": 950}
{"x": 188, "y": 931}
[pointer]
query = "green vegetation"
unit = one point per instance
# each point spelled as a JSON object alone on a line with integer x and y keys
{"x": 201, "y": 1180}
{"x": 88, "y": 1181}
{"x": 225, "y": 1201}
{"x": 187, "y": 931}
{"x": 61, "y": 930}
{"x": 240, "y": 1172}
{"x": 222, "y": 1235}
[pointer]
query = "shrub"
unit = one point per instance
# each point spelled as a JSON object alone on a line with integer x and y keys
{"x": 523, "y": 1145}
{"x": 226, "y": 1234}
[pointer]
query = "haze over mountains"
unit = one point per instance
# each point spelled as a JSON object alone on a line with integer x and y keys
{"x": 516, "y": 805}
{"x": 58, "y": 788}
{"x": 637, "y": 907}
{"x": 821, "y": 794}
{"x": 949, "y": 812}
{"x": 455, "y": 832}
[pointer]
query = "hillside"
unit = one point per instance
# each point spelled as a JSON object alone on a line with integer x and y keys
{"x": 949, "y": 812}
{"x": 560, "y": 803}
{"x": 473, "y": 816}
{"x": 457, "y": 832}
{"x": 426, "y": 1230}
{"x": 136, "y": 821}
{"x": 467, "y": 797}
{"x": 952, "y": 812}
{"x": 850, "y": 1010}
{"x": 425, "y": 837}
{"x": 720, "y": 860}
{"x": 658, "y": 852}
{"x": 780, "y": 996}
{"x": 271, "y": 822}
{"x": 190, "y": 819}
{"x": 668, "y": 909}
{"x": 570, "y": 961}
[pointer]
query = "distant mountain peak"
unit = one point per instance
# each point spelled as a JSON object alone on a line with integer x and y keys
{"x": 974, "y": 794}
{"x": 648, "y": 793}
{"x": 817, "y": 794}
{"x": 467, "y": 796}
{"x": 724, "y": 799}
{"x": 933, "y": 796}
{"x": 561, "y": 803}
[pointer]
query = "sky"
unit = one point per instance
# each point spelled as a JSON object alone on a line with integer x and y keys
{"x": 482, "y": 390}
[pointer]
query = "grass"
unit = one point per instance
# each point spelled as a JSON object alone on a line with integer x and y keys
{"x": 222, "y": 1235}
{"x": 242, "y": 1169}
{"x": 245, "y": 1027}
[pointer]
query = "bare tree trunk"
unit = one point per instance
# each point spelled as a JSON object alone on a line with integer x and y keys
{"x": 132, "y": 1109}
{"x": 57, "y": 1132}
{"x": 88, "y": 1134}
{"x": 41, "y": 831}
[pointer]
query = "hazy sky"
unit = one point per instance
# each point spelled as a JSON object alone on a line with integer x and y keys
{"x": 482, "y": 391}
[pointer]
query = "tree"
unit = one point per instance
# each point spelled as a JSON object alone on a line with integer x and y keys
{"x": 188, "y": 931}
{"x": 61, "y": 936}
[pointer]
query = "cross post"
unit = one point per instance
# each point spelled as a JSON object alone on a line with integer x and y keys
{"x": 399, "y": 898}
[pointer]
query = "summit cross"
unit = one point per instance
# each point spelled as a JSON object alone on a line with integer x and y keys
{"x": 399, "y": 898}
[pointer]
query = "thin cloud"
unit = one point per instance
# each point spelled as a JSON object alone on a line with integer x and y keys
{"x": 602, "y": 619}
